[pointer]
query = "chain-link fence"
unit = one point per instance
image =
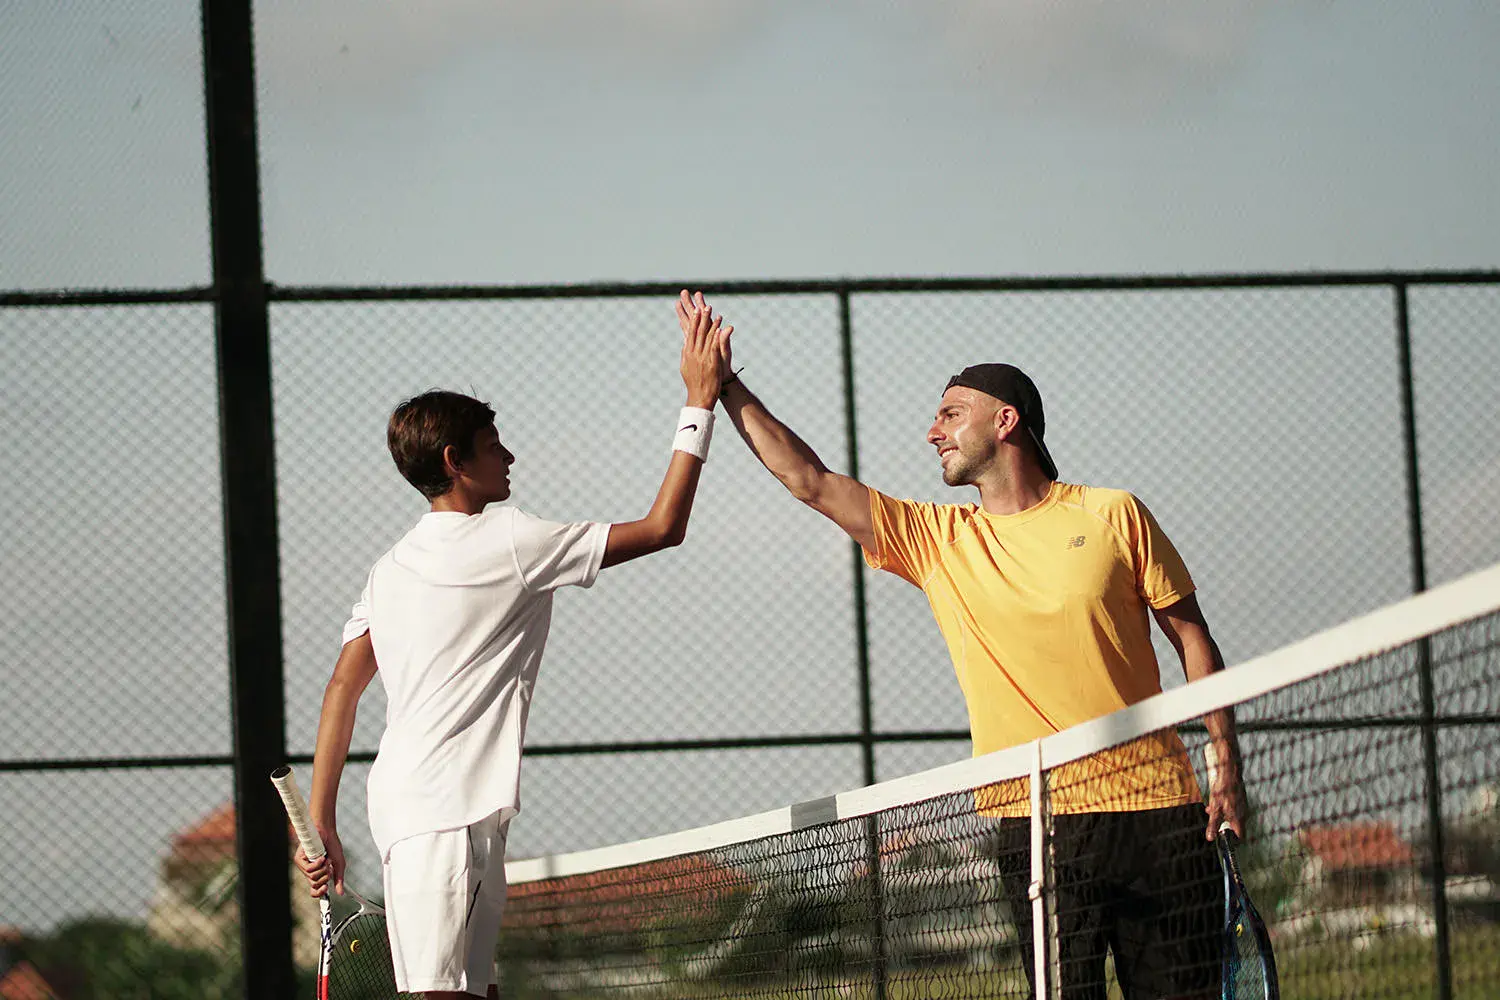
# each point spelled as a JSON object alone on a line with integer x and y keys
{"x": 1316, "y": 446}
{"x": 1272, "y": 426}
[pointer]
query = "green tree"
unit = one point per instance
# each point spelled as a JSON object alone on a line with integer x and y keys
{"x": 107, "y": 959}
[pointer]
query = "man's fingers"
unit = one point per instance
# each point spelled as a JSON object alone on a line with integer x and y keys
{"x": 687, "y": 313}
{"x": 701, "y": 328}
{"x": 1225, "y": 808}
{"x": 710, "y": 345}
{"x": 703, "y": 331}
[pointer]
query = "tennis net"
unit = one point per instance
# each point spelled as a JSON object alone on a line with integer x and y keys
{"x": 1370, "y": 762}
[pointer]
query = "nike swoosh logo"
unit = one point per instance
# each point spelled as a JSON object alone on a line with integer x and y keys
{"x": 689, "y": 427}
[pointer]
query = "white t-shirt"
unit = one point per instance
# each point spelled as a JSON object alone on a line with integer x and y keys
{"x": 458, "y": 612}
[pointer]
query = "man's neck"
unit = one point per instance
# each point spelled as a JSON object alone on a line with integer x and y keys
{"x": 1012, "y": 492}
{"x": 458, "y": 501}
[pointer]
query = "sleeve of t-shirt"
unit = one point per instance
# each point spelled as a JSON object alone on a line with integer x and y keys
{"x": 908, "y": 537}
{"x": 1161, "y": 576}
{"x": 359, "y": 617}
{"x": 550, "y": 554}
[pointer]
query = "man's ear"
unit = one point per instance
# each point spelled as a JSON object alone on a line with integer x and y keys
{"x": 451, "y": 463}
{"x": 1007, "y": 419}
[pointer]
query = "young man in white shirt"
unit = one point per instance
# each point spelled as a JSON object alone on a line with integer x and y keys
{"x": 456, "y": 615}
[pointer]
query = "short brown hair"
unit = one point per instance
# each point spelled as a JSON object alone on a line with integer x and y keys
{"x": 421, "y": 427}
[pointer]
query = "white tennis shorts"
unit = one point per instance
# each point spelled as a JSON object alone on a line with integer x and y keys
{"x": 444, "y": 893}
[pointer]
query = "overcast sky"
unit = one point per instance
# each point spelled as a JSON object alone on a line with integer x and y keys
{"x": 465, "y": 140}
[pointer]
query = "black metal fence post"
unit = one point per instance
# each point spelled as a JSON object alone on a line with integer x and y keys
{"x": 878, "y": 970}
{"x": 857, "y": 559}
{"x": 242, "y": 323}
{"x": 1434, "y": 791}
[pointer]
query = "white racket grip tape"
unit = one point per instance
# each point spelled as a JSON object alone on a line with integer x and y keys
{"x": 296, "y": 811}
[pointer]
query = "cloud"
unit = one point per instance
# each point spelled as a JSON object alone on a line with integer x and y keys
{"x": 358, "y": 44}
{"x": 1058, "y": 53}
{"x": 1116, "y": 56}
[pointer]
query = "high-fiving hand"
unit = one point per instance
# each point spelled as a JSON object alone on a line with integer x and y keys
{"x": 705, "y": 349}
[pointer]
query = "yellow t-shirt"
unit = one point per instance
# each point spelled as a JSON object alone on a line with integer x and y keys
{"x": 1046, "y": 616}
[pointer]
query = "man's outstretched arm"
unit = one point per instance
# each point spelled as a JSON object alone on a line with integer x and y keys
{"x": 844, "y": 501}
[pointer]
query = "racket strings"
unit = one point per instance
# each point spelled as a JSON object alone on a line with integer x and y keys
{"x": 360, "y": 964}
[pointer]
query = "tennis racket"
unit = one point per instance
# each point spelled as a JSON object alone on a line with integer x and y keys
{"x": 354, "y": 962}
{"x": 1247, "y": 963}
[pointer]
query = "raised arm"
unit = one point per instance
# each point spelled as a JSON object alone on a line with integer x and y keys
{"x": 844, "y": 501}
{"x": 666, "y": 523}
{"x": 1185, "y": 629}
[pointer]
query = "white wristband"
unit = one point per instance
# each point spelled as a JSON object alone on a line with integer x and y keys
{"x": 695, "y": 427}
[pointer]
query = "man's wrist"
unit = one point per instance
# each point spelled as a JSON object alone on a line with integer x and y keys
{"x": 695, "y": 430}
{"x": 733, "y": 390}
{"x": 702, "y": 401}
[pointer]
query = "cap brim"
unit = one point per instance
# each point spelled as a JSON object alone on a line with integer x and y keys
{"x": 1043, "y": 455}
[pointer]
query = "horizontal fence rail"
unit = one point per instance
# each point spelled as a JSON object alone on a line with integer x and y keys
{"x": 840, "y": 357}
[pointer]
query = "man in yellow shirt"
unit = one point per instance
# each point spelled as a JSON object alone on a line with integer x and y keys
{"x": 1044, "y": 592}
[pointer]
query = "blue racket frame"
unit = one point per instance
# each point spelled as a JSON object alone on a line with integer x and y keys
{"x": 1239, "y": 909}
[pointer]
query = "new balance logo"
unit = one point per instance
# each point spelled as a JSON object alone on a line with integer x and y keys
{"x": 1076, "y": 542}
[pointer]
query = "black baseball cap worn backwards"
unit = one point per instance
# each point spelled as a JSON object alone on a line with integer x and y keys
{"x": 1010, "y": 384}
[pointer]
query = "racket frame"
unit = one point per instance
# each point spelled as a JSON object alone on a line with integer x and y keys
{"x": 1238, "y": 906}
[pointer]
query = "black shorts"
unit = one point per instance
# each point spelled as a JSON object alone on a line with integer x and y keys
{"x": 1144, "y": 885}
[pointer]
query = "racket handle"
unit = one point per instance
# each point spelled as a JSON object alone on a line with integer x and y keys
{"x": 296, "y": 811}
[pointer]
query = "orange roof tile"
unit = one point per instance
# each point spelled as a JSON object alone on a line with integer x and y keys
{"x": 684, "y": 888}
{"x": 23, "y": 982}
{"x": 214, "y": 834}
{"x": 218, "y": 827}
{"x": 1358, "y": 845}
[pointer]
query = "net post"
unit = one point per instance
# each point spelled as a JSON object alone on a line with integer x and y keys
{"x": 879, "y": 963}
{"x": 1046, "y": 975}
{"x": 1433, "y": 793}
{"x": 857, "y": 563}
